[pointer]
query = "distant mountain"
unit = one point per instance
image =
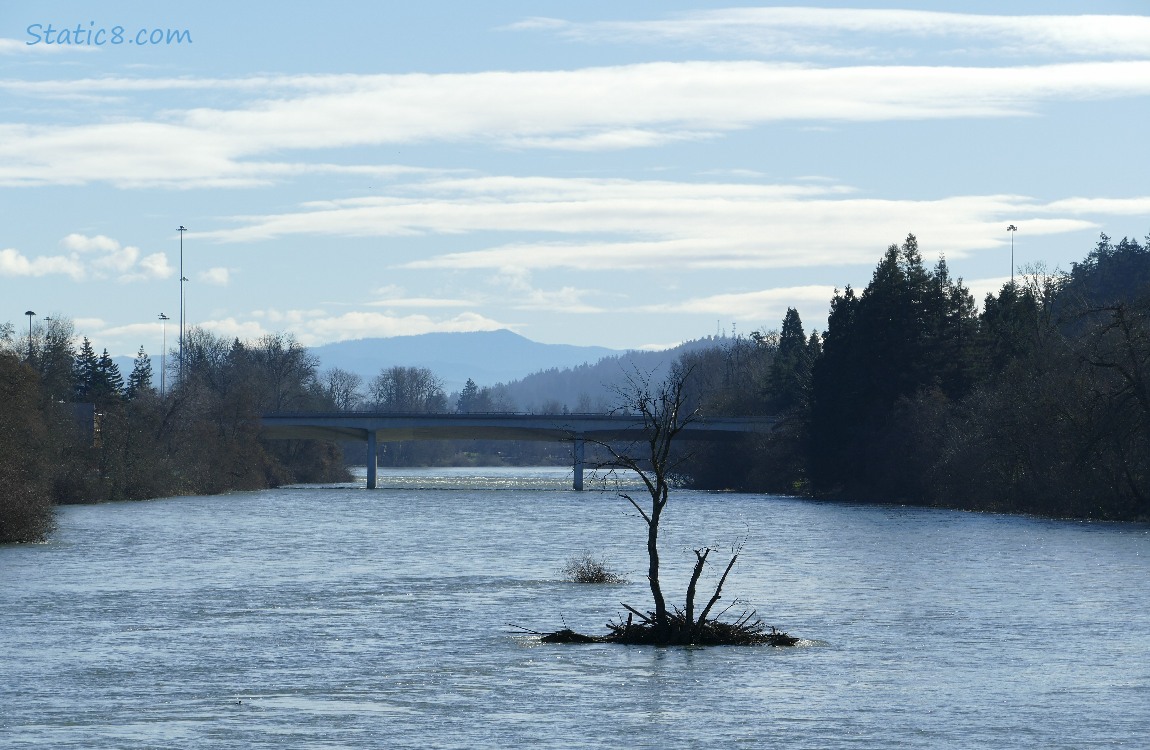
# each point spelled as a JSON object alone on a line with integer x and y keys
{"x": 534, "y": 376}
{"x": 487, "y": 357}
{"x": 592, "y": 387}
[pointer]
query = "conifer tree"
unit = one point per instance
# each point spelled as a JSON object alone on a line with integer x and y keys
{"x": 910, "y": 331}
{"x": 107, "y": 382}
{"x": 57, "y": 359}
{"x": 790, "y": 374}
{"x": 140, "y": 380}
{"x": 467, "y": 397}
{"x": 84, "y": 370}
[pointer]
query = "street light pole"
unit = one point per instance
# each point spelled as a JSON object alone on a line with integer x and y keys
{"x": 30, "y": 315}
{"x": 1012, "y": 229}
{"x": 181, "y": 230}
{"x": 163, "y": 354}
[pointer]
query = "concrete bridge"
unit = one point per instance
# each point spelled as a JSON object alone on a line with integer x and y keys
{"x": 376, "y": 427}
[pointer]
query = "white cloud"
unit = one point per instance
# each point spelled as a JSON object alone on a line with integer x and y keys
{"x": 601, "y": 108}
{"x": 217, "y": 276}
{"x": 521, "y": 293}
{"x": 85, "y": 244}
{"x": 763, "y": 305}
{"x": 979, "y": 288}
{"x": 312, "y": 329}
{"x": 604, "y": 225}
{"x": 394, "y": 296}
{"x": 875, "y": 33}
{"x": 121, "y": 260}
{"x": 231, "y": 328}
{"x": 15, "y": 263}
{"x": 21, "y": 47}
{"x": 149, "y": 334}
{"x": 96, "y": 257}
{"x": 89, "y": 324}
{"x": 421, "y": 302}
{"x": 155, "y": 266}
{"x": 1111, "y": 206}
{"x": 290, "y": 317}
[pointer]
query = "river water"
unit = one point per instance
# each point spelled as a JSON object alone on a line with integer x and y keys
{"x": 334, "y": 617}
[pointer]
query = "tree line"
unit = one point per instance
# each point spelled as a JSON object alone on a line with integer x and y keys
{"x": 1037, "y": 403}
{"x": 74, "y": 429}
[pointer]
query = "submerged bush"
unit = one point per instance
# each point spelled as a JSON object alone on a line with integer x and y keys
{"x": 586, "y": 569}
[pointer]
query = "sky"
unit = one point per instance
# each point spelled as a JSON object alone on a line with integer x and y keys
{"x": 629, "y": 175}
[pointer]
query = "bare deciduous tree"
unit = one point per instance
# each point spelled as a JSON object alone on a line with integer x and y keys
{"x": 664, "y": 414}
{"x": 664, "y": 411}
{"x": 343, "y": 388}
{"x": 408, "y": 389}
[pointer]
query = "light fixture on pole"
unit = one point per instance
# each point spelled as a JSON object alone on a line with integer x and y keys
{"x": 30, "y": 315}
{"x": 1012, "y": 229}
{"x": 163, "y": 354}
{"x": 181, "y": 230}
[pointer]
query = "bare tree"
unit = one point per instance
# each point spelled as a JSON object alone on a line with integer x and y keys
{"x": 287, "y": 371}
{"x": 343, "y": 388}
{"x": 408, "y": 389}
{"x": 664, "y": 414}
{"x": 665, "y": 410}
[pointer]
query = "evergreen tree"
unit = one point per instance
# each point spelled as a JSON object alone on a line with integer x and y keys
{"x": 911, "y": 330}
{"x": 468, "y": 398}
{"x": 107, "y": 384}
{"x": 790, "y": 374}
{"x": 837, "y": 399}
{"x": 84, "y": 371}
{"x": 1109, "y": 274}
{"x": 57, "y": 359}
{"x": 951, "y": 330}
{"x": 140, "y": 380}
{"x": 814, "y": 348}
{"x": 1006, "y": 329}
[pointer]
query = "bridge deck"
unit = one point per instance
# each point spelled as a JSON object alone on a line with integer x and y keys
{"x": 373, "y": 427}
{"x": 548, "y": 427}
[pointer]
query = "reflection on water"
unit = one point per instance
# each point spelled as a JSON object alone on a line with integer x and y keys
{"x": 338, "y": 617}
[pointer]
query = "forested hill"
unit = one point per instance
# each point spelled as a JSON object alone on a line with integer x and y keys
{"x": 592, "y": 387}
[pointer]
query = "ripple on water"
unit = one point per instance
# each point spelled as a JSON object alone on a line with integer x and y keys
{"x": 336, "y": 617}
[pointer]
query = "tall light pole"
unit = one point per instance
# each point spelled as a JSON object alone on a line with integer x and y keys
{"x": 181, "y": 230}
{"x": 30, "y": 315}
{"x": 163, "y": 353}
{"x": 1012, "y": 229}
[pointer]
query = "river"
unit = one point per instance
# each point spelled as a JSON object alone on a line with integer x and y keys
{"x": 335, "y": 617}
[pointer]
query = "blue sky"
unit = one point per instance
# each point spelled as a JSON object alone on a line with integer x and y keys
{"x": 629, "y": 175}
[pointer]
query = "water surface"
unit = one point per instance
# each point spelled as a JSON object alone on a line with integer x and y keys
{"x": 336, "y": 617}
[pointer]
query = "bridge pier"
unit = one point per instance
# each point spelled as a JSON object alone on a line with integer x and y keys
{"x": 372, "y": 460}
{"x": 578, "y": 451}
{"x": 373, "y": 427}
